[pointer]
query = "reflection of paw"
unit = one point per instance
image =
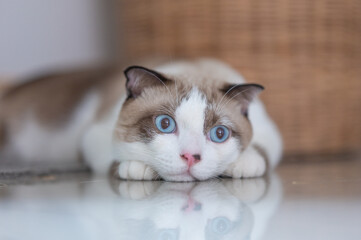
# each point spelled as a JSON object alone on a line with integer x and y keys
{"x": 137, "y": 190}
{"x": 135, "y": 170}
{"x": 247, "y": 190}
{"x": 250, "y": 164}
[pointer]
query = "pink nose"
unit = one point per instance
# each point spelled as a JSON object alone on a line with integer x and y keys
{"x": 191, "y": 159}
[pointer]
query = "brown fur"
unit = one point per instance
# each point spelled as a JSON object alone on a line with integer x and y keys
{"x": 52, "y": 99}
{"x": 137, "y": 116}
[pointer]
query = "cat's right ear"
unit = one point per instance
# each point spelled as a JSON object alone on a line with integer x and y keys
{"x": 139, "y": 78}
{"x": 244, "y": 93}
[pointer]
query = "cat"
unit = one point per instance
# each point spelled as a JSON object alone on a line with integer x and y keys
{"x": 180, "y": 121}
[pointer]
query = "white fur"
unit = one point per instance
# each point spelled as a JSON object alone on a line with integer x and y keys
{"x": 249, "y": 164}
{"x": 190, "y": 121}
{"x": 136, "y": 170}
{"x": 265, "y": 132}
{"x": 97, "y": 142}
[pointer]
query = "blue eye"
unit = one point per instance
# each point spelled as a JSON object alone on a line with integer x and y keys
{"x": 165, "y": 123}
{"x": 219, "y": 134}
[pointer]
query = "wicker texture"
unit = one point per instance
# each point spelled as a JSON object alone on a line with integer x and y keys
{"x": 307, "y": 53}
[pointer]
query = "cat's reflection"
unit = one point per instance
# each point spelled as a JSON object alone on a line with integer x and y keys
{"x": 221, "y": 209}
{"x": 224, "y": 209}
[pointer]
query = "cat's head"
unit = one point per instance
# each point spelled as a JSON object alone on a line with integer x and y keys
{"x": 187, "y": 121}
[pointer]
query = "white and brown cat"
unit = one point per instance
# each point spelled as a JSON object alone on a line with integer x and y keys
{"x": 181, "y": 121}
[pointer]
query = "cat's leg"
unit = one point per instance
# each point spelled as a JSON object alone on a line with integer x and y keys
{"x": 97, "y": 151}
{"x": 251, "y": 163}
{"x": 136, "y": 170}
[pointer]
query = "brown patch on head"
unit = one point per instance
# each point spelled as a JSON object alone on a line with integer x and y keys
{"x": 136, "y": 119}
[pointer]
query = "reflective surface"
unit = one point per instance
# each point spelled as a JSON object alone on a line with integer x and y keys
{"x": 299, "y": 201}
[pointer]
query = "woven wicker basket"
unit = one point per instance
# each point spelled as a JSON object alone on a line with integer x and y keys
{"x": 307, "y": 54}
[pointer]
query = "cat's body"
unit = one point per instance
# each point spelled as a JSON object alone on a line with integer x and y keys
{"x": 94, "y": 117}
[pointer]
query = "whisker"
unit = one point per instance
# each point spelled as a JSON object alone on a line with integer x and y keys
{"x": 232, "y": 98}
{"x": 176, "y": 90}
{"x": 160, "y": 81}
{"x": 227, "y": 93}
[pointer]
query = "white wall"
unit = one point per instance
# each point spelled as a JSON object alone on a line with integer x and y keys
{"x": 44, "y": 35}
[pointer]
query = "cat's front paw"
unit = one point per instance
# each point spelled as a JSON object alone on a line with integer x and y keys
{"x": 250, "y": 164}
{"x": 135, "y": 170}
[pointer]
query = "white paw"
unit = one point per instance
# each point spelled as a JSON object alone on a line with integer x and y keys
{"x": 135, "y": 170}
{"x": 249, "y": 164}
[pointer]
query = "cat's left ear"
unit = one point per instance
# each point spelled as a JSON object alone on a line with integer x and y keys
{"x": 139, "y": 78}
{"x": 244, "y": 93}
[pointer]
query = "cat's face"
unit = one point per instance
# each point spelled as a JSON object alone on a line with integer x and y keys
{"x": 184, "y": 129}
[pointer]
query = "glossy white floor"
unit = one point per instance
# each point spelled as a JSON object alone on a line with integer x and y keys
{"x": 309, "y": 200}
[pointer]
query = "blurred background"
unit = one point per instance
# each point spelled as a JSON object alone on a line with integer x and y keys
{"x": 306, "y": 53}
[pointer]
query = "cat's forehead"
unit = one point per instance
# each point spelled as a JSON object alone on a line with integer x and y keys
{"x": 191, "y": 110}
{"x": 209, "y": 86}
{"x": 181, "y": 89}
